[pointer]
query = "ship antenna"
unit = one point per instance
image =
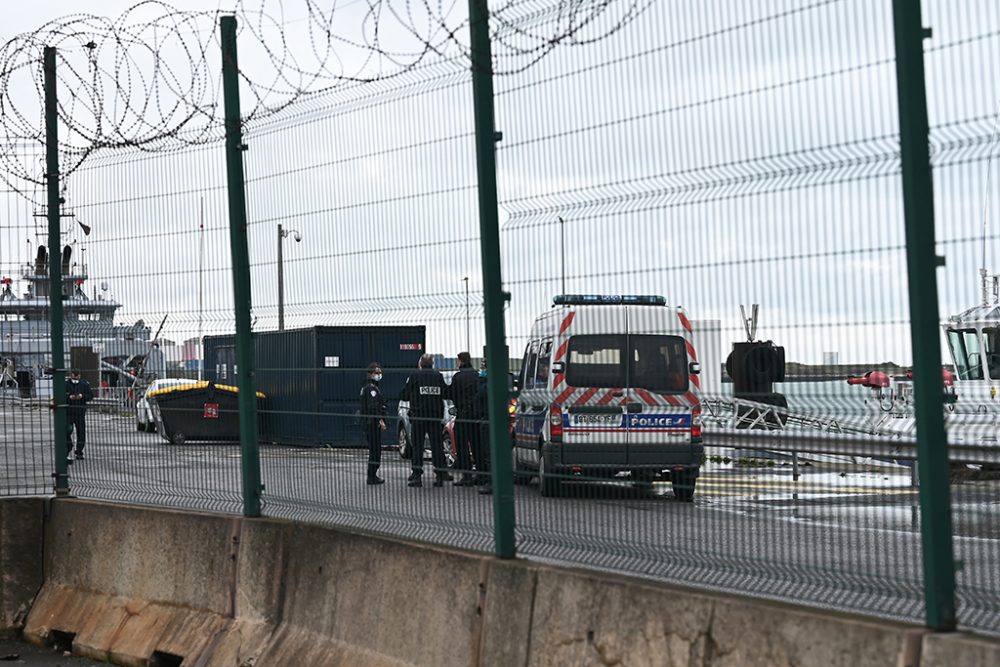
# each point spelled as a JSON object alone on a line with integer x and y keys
{"x": 983, "y": 274}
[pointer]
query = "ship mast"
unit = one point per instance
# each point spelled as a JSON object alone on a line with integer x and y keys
{"x": 983, "y": 273}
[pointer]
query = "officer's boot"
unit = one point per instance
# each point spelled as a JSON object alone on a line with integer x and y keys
{"x": 439, "y": 478}
{"x": 373, "y": 477}
{"x": 414, "y": 479}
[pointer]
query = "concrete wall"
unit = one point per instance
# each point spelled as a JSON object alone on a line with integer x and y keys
{"x": 127, "y": 582}
{"x": 21, "y": 522}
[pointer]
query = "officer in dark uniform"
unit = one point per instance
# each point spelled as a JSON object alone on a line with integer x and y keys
{"x": 462, "y": 393}
{"x": 425, "y": 390}
{"x": 373, "y": 420}
{"x": 78, "y": 394}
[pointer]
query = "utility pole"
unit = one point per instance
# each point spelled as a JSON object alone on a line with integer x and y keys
{"x": 201, "y": 290}
{"x": 281, "y": 279}
{"x": 562, "y": 250}
{"x": 250, "y": 454}
{"x": 468, "y": 337}
{"x": 55, "y": 272}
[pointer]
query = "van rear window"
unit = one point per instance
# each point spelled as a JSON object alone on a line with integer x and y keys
{"x": 654, "y": 362}
{"x": 595, "y": 361}
{"x": 659, "y": 363}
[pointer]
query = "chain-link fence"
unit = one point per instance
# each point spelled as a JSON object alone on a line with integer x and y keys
{"x": 708, "y": 245}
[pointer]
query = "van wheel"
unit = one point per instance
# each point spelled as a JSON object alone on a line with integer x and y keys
{"x": 550, "y": 486}
{"x": 683, "y": 483}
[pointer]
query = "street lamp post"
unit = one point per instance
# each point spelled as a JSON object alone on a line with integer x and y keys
{"x": 468, "y": 344}
{"x": 282, "y": 234}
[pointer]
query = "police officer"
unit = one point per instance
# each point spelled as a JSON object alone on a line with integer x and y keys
{"x": 373, "y": 420}
{"x": 425, "y": 390}
{"x": 78, "y": 394}
{"x": 462, "y": 393}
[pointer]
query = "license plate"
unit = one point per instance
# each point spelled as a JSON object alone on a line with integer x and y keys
{"x": 613, "y": 420}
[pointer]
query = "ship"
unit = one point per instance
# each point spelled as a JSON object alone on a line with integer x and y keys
{"x": 107, "y": 353}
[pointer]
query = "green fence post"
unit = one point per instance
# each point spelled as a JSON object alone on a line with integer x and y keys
{"x": 55, "y": 272}
{"x": 921, "y": 259}
{"x": 493, "y": 296}
{"x": 250, "y": 454}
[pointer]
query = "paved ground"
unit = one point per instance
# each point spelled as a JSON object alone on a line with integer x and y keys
{"x": 843, "y": 538}
{"x": 21, "y": 653}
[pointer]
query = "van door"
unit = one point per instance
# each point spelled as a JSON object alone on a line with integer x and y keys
{"x": 530, "y": 409}
{"x": 591, "y": 395}
{"x": 659, "y": 395}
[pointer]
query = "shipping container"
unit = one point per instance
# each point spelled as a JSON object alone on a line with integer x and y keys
{"x": 313, "y": 377}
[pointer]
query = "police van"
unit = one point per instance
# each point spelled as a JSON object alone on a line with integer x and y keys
{"x": 609, "y": 384}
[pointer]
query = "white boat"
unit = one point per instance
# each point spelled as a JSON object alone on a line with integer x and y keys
{"x": 88, "y": 323}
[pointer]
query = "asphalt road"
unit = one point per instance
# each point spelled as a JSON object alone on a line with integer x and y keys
{"x": 841, "y": 538}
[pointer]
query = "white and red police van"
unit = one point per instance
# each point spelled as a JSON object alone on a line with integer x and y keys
{"x": 608, "y": 385}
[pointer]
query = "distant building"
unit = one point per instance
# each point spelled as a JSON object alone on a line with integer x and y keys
{"x": 443, "y": 363}
{"x": 831, "y": 358}
{"x": 191, "y": 354}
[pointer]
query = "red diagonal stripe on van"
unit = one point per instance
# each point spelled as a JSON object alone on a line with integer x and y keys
{"x": 691, "y": 351}
{"x": 695, "y": 380}
{"x": 587, "y": 395}
{"x": 685, "y": 322}
{"x": 567, "y": 321}
{"x": 608, "y": 397}
{"x": 561, "y": 398}
{"x": 646, "y": 396}
{"x": 561, "y": 352}
{"x": 692, "y": 399}
{"x": 560, "y": 378}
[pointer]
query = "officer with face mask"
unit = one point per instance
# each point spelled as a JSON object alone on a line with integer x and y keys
{"x": 78, "y": 394}
{"x": 373, "y": 420}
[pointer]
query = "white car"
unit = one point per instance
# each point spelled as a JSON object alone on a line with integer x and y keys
{"x": 144, "y": 420}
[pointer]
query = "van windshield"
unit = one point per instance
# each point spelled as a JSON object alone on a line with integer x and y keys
{"x": 654, "y": 362}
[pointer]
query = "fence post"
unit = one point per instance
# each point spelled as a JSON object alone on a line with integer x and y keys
{"x": 250, "y": 454}
{"x": 493, "y": 296}
{"x": 55, "y": 272}
{"x": 922, "y": 260}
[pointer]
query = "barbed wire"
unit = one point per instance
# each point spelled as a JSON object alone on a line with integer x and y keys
{"x": 150, "y": 79}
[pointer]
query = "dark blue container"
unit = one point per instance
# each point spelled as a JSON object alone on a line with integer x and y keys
{"x": 313, "y": 377}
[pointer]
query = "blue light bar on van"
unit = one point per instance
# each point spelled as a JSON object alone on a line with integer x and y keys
{"x": 608, "y": 299}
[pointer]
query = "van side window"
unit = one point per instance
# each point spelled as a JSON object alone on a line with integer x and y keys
{"x": 529, "y": 369}
{"x": 542, "y": 368}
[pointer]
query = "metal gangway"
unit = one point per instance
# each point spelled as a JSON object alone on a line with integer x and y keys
{"x": 885, "y": 431}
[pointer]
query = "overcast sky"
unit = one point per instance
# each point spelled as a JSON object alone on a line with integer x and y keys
{"x": 716, "y": 153}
